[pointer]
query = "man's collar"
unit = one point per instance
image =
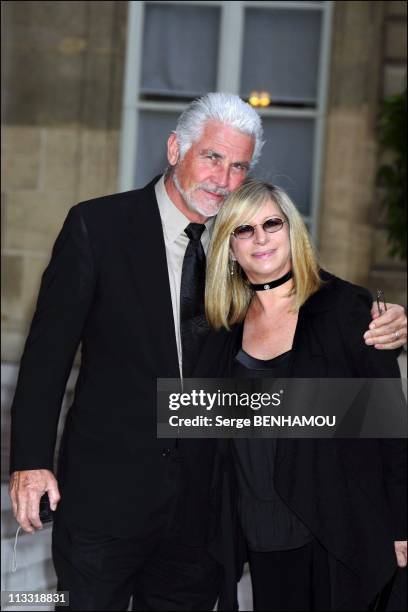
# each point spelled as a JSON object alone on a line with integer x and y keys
{"x": 173, "y": 220}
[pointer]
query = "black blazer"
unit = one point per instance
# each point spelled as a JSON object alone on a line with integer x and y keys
{"x": 106, "y": 286}
{"x": 351, "y": 493}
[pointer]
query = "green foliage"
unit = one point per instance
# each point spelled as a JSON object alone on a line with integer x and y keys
{"x": 393, "y": 177}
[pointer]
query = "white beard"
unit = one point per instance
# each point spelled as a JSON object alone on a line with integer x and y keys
{"x": 206, "y": 211}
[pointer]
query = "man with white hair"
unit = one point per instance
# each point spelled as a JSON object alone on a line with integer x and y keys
{"x": 126, "y": 278}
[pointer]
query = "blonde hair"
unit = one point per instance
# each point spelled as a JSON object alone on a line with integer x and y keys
{"x": 227, "y": 297}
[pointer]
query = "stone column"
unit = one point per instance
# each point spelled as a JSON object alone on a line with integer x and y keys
{"x": 389, "y": 273}
{"x": 348, "y": 190}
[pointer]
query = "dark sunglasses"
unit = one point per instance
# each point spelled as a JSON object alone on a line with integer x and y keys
{"x": 270, "y": 225}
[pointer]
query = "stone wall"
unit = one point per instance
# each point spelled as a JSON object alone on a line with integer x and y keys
{"x": 386, "y": 272}
{"x": 368, "y": 62}
{"x": 62, "y": 90}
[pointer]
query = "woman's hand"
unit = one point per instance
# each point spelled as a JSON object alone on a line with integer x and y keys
{"x": 401, "y": 553}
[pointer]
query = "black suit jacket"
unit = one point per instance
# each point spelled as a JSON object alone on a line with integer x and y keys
{"x": 107, "y": 286}
{"x": 351, "y": 493}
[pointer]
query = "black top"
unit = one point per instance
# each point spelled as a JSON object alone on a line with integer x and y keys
{"x": 267, "y": 522}
{"x": 246, "y": 366}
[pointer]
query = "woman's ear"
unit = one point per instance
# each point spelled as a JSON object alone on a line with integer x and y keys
{"x": 173, "y": 151}
{"x": 231, "y": 254}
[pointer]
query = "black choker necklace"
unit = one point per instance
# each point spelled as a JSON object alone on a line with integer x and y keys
{"x": 272, "y": 284}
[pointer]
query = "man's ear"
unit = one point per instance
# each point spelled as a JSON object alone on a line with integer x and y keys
{"x": 173, "y": 151}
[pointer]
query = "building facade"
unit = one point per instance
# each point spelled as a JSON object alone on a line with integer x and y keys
{"x": 85, "y": 98}
{"x": 63, "y": 100}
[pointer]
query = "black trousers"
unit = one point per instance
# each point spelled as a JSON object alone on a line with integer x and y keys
{"x": 291, "y": 579}
{"x": 102, "y": 572}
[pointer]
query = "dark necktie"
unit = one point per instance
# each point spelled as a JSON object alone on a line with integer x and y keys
{"x": 193, "y": 324}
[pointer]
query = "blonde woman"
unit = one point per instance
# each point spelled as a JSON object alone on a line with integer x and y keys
{"x": 323, "y": 520}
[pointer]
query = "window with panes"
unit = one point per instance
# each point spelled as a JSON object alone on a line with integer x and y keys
{"x": 273, "y": 54}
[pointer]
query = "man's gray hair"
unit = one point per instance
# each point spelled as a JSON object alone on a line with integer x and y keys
{"x": 225, "y": 108}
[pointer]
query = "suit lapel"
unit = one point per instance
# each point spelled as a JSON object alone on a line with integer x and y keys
{"x": 147, "y": 252}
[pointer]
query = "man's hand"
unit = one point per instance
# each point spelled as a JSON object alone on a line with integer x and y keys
{"x": 388, "y": 330}
{"x": 401, "y": 553}
{"x": 26, "y": 489}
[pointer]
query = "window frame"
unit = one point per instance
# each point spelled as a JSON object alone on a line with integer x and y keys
{"x": 228, "y": 79}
